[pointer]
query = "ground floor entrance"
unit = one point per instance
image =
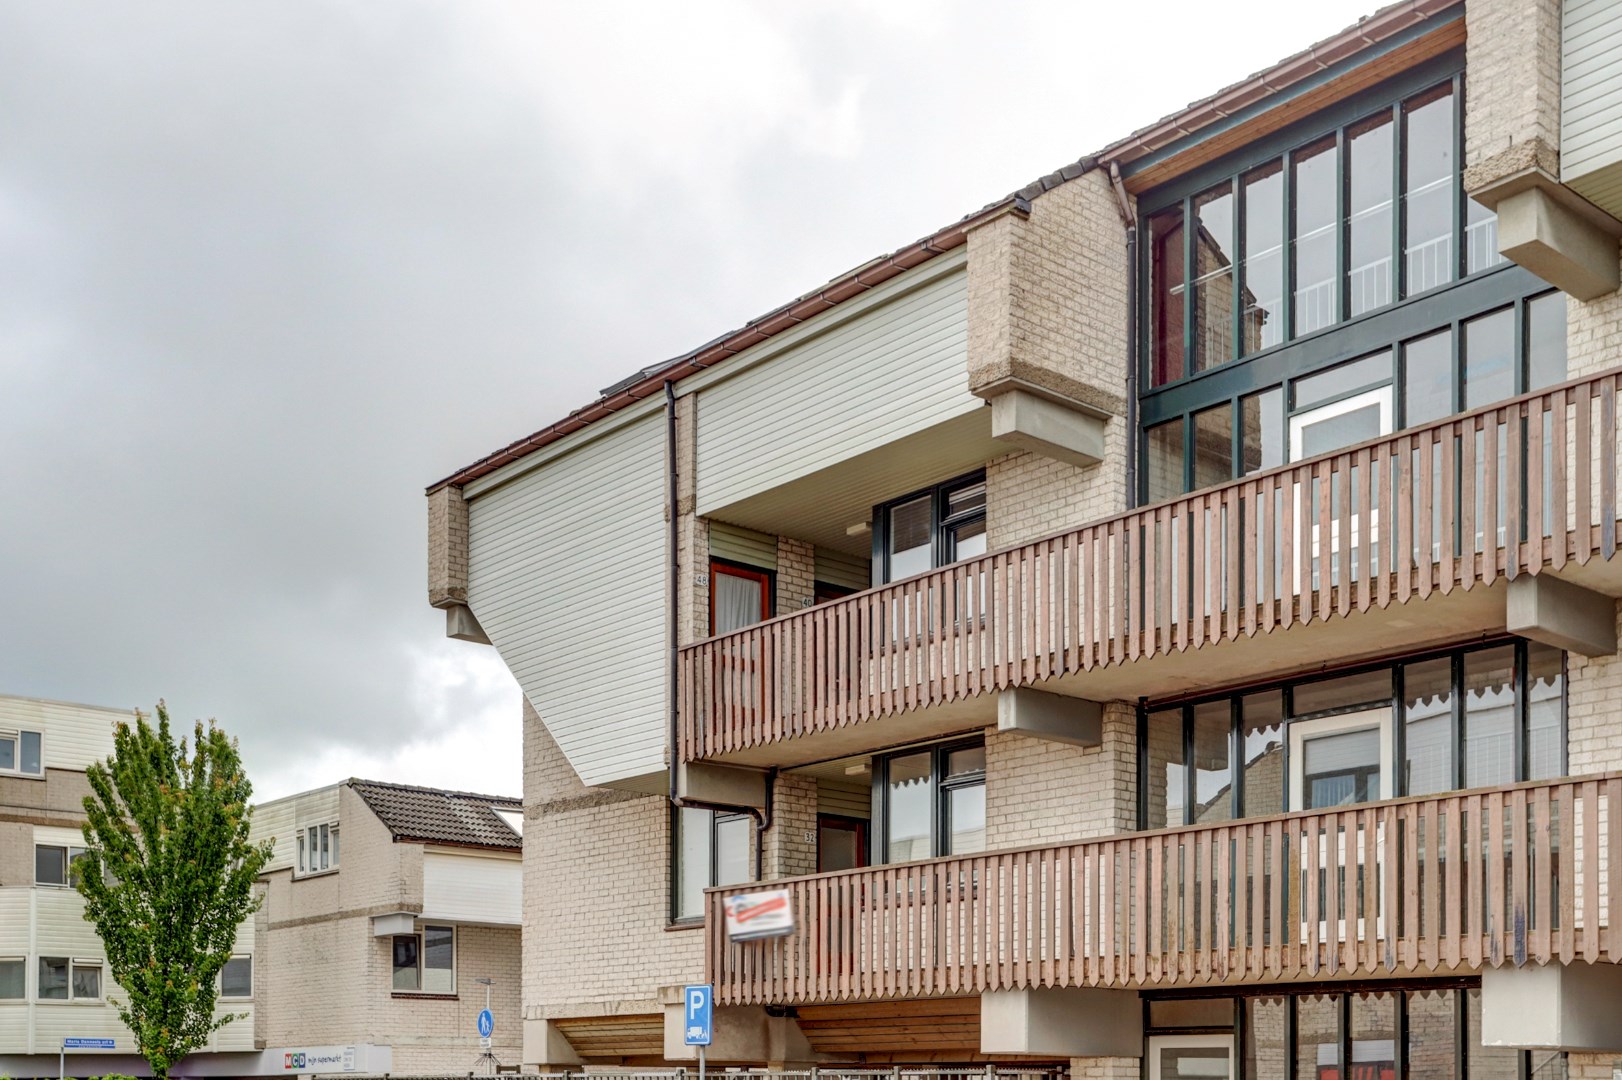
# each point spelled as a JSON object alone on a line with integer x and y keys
{"x": 1421, "y": 1030}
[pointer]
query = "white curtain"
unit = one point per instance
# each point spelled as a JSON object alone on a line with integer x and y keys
{"x": 737, "y": 602}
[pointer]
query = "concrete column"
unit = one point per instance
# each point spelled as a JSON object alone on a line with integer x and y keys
{"x": 1553, "y": 1007}
{"x": 1561, "y": 614}
{"x": 743, "y": 1035}
{"x": 546, "y": 1049}
{"x": 1075, "y": 1022}
{"x": 447, "y": 547}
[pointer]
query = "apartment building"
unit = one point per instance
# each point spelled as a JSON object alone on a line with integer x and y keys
{"x": 54, "y": 980}
{"x": 391, "y": 915}
{"x": 1161, "y": 624}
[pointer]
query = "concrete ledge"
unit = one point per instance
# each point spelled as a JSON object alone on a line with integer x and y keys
{"x": 399, "y": 922}
{"x": 546, "y": 1047}
{"x": 721, "y": 785}
{"x": 1575, "y": 1007}
{"x": 461, "y": 625}
{"x": 742, "y": 1034}
{"x": 1053, "y": 717}
{"x": 1561, "y": 614}
{"x": 1063, "y": 1022}
{"x": 1555, "y": 233}
{"x": 1045, "y": 424}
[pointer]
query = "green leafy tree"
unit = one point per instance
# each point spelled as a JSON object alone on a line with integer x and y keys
{"x": 167, "y": 878}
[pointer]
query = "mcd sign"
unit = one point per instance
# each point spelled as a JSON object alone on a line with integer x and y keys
{"x": 759, "y": 915}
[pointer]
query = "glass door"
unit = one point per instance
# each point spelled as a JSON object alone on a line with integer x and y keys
{"x": 1191, "y": 1057}
{"x": 1339, "y": 761}
{"x": 1323, "y": 430}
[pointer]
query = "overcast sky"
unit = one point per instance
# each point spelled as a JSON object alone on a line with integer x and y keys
{"x": 270, "y": 269}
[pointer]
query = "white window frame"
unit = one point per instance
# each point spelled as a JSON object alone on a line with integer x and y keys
{"x": 237, "y": 997}
{"x": 307, "y": 848}
{"x": 422, "y": 960}
{"x": 23, "y": 960}
{"x": 15, "y": 737}
{"x": 67, "y": 865}
{"x": 1213, "y": 1041}
{"x": 73, "y": 963}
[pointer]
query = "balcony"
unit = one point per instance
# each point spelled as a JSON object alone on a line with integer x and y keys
{"x": 1412, "y": 887}
{"x": 1333, "y": 549}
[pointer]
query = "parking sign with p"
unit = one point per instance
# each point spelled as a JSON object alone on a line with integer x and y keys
{"x": 698, "y": 1014}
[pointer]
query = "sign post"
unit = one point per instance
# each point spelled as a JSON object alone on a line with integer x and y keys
{"x": 698, "y": 1026}
{"x": 78, "y": 1044}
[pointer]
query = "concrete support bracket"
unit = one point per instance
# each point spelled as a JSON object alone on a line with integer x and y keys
{"x": 1561, "y": 614}
{"x": 461, "y": 625}
{"x": 721, "y": 785}
{"x": 546, "y": 1048}
{"x": 1570, "y": 1007}
{"x": 742, "y": 1033}
{"x": 1077, "y": 1022}
{"x": 1555, "y": 233}
{"x": 1053, "y": 717}
{"x": 1044, "y": 423}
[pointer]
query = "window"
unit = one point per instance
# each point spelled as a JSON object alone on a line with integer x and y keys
{"x": 1484, "y": 716}
{"x": 13, "y": 976}
{"x": 65, "y": 979}
{"x": 21, "y": 753}
{"x": 841, "y": 843}
{"x": 424, "y": 963}
{"x": 931, "y": 801}
{"x": 740, "y": 596}
{"x": 934, "y": 527}
{"x": 1311, "y": 249}
{"x": 317, "y": 848}
{"x": 236, "y": 978}
{"x": 710, "y": 848}
{"x": 56, "y": 864}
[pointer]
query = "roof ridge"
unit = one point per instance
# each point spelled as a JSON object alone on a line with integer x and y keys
{"x": 517, "y": 800}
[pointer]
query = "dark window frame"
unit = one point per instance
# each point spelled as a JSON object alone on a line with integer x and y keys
{"x": 939, "y": 785}
{"x": 1395, "y": 665}
{"x": 1388, "y": 326}
{"x": 942, "y": 524}
{"x": 717, "y": 817}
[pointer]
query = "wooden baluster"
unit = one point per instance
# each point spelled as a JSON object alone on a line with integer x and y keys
{"x": 1430, "y": 923}
{"x": 1368, "y": 522}
{"x": 1410, "y": 886}
{"x": 1515, "y": 509}
{"x": 1539, "y": 892}
{"x": 1559, "y": 447}
{"x": 1270, "y": 554}
{"x": 1424, "y": 510}
{"x": 1497, "y": 906}
{"x": 1312, "y": 900}
{"x": 1590, "y": 879}
{"x": 1468, "y": 507}
{"x": 1474, "y": 851}
{"x": 1075, "y": 603}
{"x": 1583, "y": 459}
{"x": 1404, "y": 519}
{"x": 1368, "y": 953}
{"x": 1489, "y": 497}
{"x": 1391, "y": 875}
{"x": 1534, "y": 485}
{"x": 1232, "y": 509}
{"x": 1324, "y": 541}
{"x": 1198, "y": 634}
{"x": 1613, "y": 867}
{"x": 1607, "y": 463}
{"x": 1566, "y": 796}
{"x": 1387, "y": 503}
{"x": 1333, "y": 855}
{"x": 1278, "y": 887}
{"x": 1452, "y": 882}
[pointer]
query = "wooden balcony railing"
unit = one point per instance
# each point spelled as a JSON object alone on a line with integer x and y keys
{"x": 1465, "y": 880}
{"x": 1506, "y": 490}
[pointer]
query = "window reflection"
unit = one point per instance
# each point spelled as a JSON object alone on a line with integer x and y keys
{"x": 1316, "y": 302}
{"x": 1427, "y": 368}
{"x": 1167, "y": 778}
{"x": 1261, "y": 431}
{"x": 1163, "y": 464}
{"x": 1264, "y": 257}
{"x": 908, "y": 811}
{"x": 1213, "y": 446}
{"x": 1489, "y": 717}
{"x": 1166, "y": 297}
{"x": 1368, "y": 214}
{"x": 1428, "y": 720}
{"x": 1489, "y": 358}
{"x": 1213, "y": 278}
{"x": 1213, "y": 778}
{"x": 1427, "y": 190}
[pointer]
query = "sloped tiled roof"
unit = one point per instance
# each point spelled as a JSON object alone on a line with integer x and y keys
{"x": 429, "y": 815}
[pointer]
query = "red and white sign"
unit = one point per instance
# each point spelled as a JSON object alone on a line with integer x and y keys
{"x": 759, "y": 915}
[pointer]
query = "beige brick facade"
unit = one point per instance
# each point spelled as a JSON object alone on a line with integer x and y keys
{"x": 447, "y": 547}
{"x": 1512, "y": 116}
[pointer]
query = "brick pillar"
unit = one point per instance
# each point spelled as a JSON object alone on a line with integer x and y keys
{"x": 796, "y": 574}
{"x": 1512, "y": 112}
{"x": 447, "y": 547}
{"x": 790, "y": 847}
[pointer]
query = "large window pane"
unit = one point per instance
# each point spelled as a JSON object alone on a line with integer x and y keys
{"x": 50, "y": 865}
{"x": 1368, "y": 213}
{"x": 1213, "y": 278}
{"x": 1317, "y": 1036}
{"x": 1163, "y": 464}
{"x": 12, "y": 976}
{"x": 1432, "y": 1035}
{"x": 1489, "y": 358}
{"x": 966, "y": 819}
{"x": 29, "y": 761}
{"x": 1167, "y": 776}
{"x": 406, "y": 964}
{"x": 1341, "y": 769}
{"x": 1213, "y": 775}
{"x": 1428, "y": 719}
{"x": 1315, "y": 177}
{"x": 1367, "y": 688}
{"x": 910, "y": 808}
{"x": 1427, "y": 388}
{"x": 53, "y": 978}
{"x": 1489, "y": 717}
{"x": 693, "y": 861}
{"x": 912, "y": 537}
{"x": 1342, "y": 379}
{"x": 1374, "y": 1036}
{"x": 731, "y": 851}
{"x": 1480, "y": 238}
{"x": 1213, "y": 447}
{"x": 1166, "y": 297}
{"x": 1546, "y": 691}
{"x": 1427, "y": 189}
{"x": 1261, "y": 431}
{"x": 1266, "y": 1020}
{"x": 86, "y": 981}
{"x": 1262, "y": 727}
{"x": 1263, "y": 192}
{"x": 1546, "y": 341}
{"x": 236, "y": 978}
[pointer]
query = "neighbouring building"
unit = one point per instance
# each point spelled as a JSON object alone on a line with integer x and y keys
{"x": 1163, "y": 624}
{"x": 54, "y": 981}
{"x": 391, "y": 915}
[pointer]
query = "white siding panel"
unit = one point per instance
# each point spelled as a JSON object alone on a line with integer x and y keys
{"x": 74, "y": 735}
{"x": 280, "y": 820}
{"x": 743, "y": 545}
{"x": 14, "y": 919}
{"x": 566, "y": 573}
{"x": 1591, "y": 87}
{"x": 893, "y": 370}
{"x": 472, "y": 889}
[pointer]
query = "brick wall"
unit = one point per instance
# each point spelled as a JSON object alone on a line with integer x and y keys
{"x": 447, "y": 547}
{"x": 1512, "y": 117}
{"x": 1040, "y": 792}
{"x": 789, "y": 848}
{"x": 796, "y": 574}
{"x": 1594, "y": 713}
